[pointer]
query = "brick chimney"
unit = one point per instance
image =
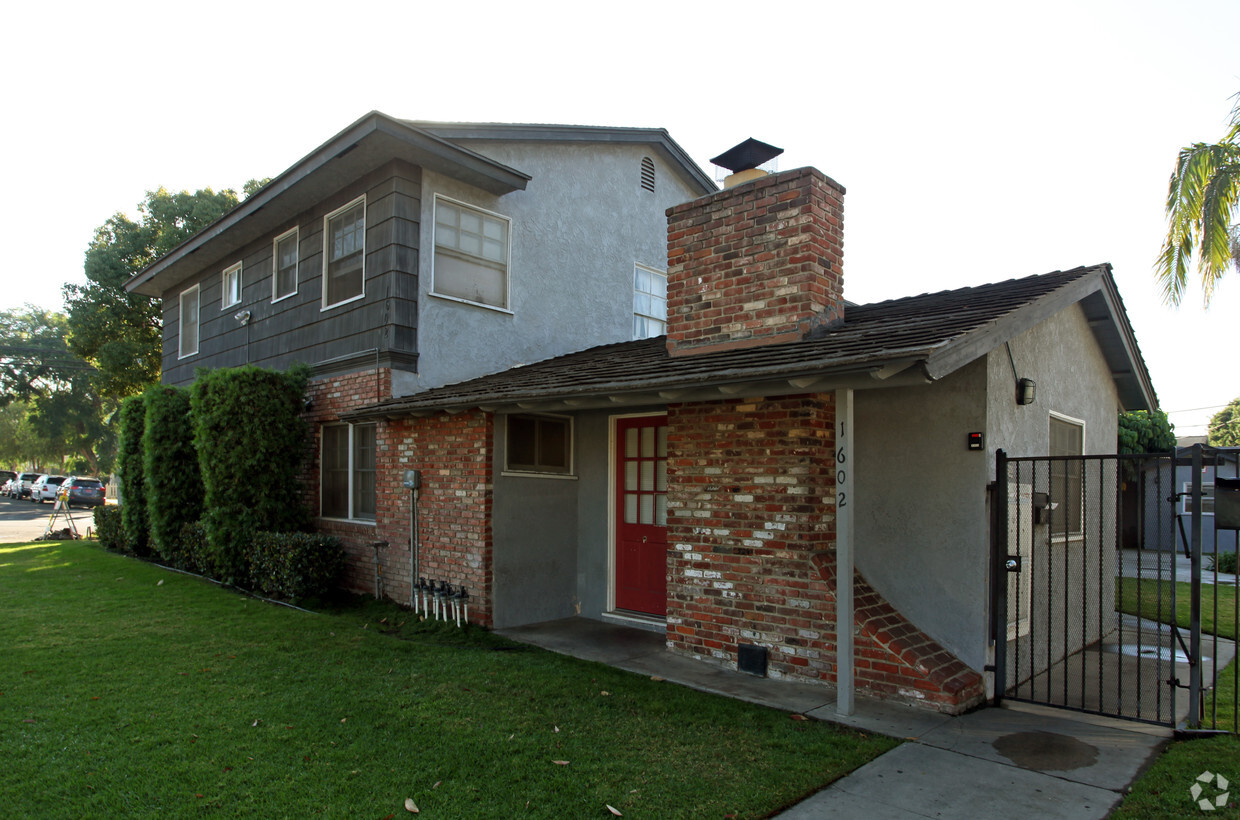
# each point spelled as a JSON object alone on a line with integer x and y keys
{"x": 757, "y": 264}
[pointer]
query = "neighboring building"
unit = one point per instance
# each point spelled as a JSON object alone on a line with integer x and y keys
{"x": 685, "y": 483}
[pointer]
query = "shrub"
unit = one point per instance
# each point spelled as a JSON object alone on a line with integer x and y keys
{"x": 250, "y": 440}
{"x": 173, "y": 483}
{"x": 129, "y": 463}
{"x": 191, "y": 551}
{"x": 294, "y": 566}
{"x": 1224, "y": 562}
{"x": 108, "y": 527}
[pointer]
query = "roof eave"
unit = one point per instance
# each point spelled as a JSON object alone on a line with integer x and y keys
{"x": 367, "y": 144}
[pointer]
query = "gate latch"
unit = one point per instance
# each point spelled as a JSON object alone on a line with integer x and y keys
{"x": 1012, "y": 564}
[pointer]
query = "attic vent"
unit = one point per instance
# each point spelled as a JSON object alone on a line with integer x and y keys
{"x": 647, "y": 173}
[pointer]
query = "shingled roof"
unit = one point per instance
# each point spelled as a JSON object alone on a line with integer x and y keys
{"x": 918, "y": 339}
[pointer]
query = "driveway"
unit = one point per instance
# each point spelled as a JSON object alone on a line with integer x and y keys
{"x": 25, "y": 521}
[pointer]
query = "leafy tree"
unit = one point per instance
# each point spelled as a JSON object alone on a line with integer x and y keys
{"x": 1142, "y": 432}
{"x": 130, "y": 463}
{"x": 1203, "y": 203}
{"x": 120, "y": 332}
{"x": 1224, "y": 430}
{"x": 21, "y": 446}
{"x": 56, "y": 388}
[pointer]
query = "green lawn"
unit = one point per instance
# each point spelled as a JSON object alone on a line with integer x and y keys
{"x": 130, "y": 691}
{"x": 1163, "y": 790}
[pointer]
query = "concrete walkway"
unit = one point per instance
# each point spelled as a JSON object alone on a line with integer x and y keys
{"x": 1025, "y": 761}
{"x": 1168, "y": 566}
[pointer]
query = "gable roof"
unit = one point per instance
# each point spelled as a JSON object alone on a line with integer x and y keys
{"x": 364, "y": 146}
{"x": 915, "y": 340}
{"x": 656, "y": 138}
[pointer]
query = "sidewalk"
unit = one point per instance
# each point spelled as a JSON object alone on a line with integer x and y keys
{"x": 1167, "y": 565}
{"x": 1027, "y": 762}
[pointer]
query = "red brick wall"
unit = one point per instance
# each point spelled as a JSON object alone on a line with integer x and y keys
{"x": 751, "y": 485}
{"x": 454, "y": 505}
{"x": 751, "y": 558}
{"x": 760, "y": 263}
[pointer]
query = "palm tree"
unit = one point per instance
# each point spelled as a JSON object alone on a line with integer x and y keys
{"x": 1203, "y": 206}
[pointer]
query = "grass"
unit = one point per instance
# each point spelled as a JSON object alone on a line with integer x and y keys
{"x": 1151, "y": 598}
{"x": 132, "y": 691}
{"x": 1163, "y": 790}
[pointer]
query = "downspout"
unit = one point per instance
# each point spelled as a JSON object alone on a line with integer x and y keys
{"x": 844, "y": 503}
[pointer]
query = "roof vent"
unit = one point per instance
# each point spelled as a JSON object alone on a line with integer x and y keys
{"x": 647, "y": 173}
{"x": 743, "y": 161}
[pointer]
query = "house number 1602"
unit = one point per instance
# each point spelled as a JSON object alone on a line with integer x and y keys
{"x": 841, "y": 476}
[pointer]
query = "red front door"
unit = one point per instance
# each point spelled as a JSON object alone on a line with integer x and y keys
{"x": 641, "y": 515}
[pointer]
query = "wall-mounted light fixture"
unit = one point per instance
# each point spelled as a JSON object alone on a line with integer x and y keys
{"x": 1026, "y": 391}
{"x": 243, "y": 317}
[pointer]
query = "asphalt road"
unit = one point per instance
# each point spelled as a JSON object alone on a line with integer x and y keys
{"x": 25, "y": 521}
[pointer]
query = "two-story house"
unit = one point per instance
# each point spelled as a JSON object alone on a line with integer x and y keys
{"x": 638, "y": 399}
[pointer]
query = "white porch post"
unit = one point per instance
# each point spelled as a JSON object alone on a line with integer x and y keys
{"x": 844, "y": 502}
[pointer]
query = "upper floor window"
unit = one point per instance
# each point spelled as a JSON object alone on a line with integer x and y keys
{"x": 471, "y": 254}
{"x": 347, "y": 487}
{"x": 649, "y": 302}
{"x": 1067, "y": 475}
{"x": 187, "y": 344}
{"x": 284, "y": 266}
{"x": 647, "y": 174}
{"x": 344, "y": 251}
{"x": 232, "y": 287}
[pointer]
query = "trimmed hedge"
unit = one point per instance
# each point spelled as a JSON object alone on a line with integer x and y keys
{"x": 250, "y": 440}
{"x": 130, "y": 464}
{"x": 294, "y": 566}
{"x": 109, "y": 528}
{"x": 173, "y": 482}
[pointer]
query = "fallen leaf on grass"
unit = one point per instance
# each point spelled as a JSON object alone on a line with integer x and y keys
{"x": 613, "y": 810}
{"x": 437, "y": 782}
{"x": 343, "y": 719}
{"x": 255, "y": 723}
{"x": 557, "y": 728}
{"x": 556, "y": 762}
{"x": 28, "y": 720}
{"x": 411, "y": 806}
{"x": 605, "y": 693}
{"x": 160, "y": 584}
{"x": 798, "y": 717}
{"x": 656, "y": 678}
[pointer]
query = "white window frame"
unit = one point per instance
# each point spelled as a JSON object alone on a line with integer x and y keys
{"x": 648, "y": 316}
{"x": 456, "y": 203}
{"x": 1058, "y": 532}
{"x": 327, "y": 256}
{"x": 293, "y": 234}
{"x": 534, "y": 471}
{"x": 231, "y": 274}
{"x": 1207, "y": 498}
{"x": 351, "y": 470}
{"x": 182, "y": 353}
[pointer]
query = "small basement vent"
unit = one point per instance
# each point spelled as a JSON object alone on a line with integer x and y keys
{"x": 647, "y": 173}
{"x": 751, "y": 658}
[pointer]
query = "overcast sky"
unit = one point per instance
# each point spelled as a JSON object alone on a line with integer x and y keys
{"x": 978, "y": 141}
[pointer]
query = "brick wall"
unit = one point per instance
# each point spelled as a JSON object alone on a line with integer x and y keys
{"x": 454, "y": 505}
{"x": 751, "y": 487}
{"x": 751, "y": 557}
{"x": 760, "y": 263}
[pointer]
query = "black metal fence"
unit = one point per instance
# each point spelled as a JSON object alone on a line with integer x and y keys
{"x": 1104, "y": 570}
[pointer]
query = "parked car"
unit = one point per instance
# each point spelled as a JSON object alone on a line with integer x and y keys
{"x": 20, "y": 488}
{"x": 80, "y": 491}
{"x": 45, "y": 488}
{"x": 5, "y": 477}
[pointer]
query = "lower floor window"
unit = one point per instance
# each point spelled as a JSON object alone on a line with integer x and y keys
{"x": 539, "y": 444}
{"x": 348, "y": 471}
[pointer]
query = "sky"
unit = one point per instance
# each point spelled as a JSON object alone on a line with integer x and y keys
{"x": 977, "y": 141}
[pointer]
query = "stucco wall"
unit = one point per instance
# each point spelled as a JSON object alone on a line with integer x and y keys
{"x": 1072, "y": 378}
{"x": 535, "y": 533}
{"x": 577, "y": 231}
{"x": 921, "y": 530}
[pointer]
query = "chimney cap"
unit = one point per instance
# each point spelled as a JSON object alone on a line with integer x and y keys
{"x": 749, "y": 154}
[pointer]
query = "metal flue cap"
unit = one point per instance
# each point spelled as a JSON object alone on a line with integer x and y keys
{"x": 749, "y": 154}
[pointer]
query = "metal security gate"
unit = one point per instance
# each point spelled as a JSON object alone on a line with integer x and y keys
{"x": 1085, "y": 561}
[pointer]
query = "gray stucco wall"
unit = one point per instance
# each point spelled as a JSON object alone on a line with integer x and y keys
{"x": 921, "y": 529}
{"x": 1072, "y": 378}
{"x": 534, "y": 547}
{"x": 577, "y": 231}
